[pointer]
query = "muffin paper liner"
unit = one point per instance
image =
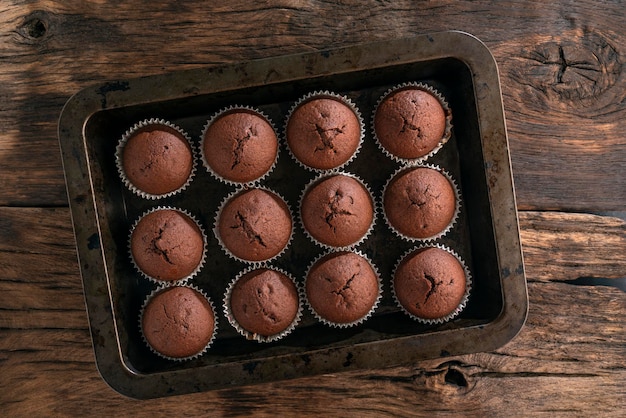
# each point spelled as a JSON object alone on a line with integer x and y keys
{"x": 178, "y": 359}
{"x": 164, "y": 283}
{"x": 250, "y": 335}
{"x": 337, "y": 324}
{"x": 122, "y": 143}
{"x": 216, "y": 232}
{"x": 217, "y": 115}
{"x": 462, "y": 303}
{"x": 319, "y": 94}
{"x": 457, "y": 208}
{"x": 447, "y": 132}
{"x": 328, "y": 175}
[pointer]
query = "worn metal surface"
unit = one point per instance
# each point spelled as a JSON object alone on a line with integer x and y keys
{"x": 486, "y": 235}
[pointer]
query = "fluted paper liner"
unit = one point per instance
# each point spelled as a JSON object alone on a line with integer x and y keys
{"x": 346, "y": 324}
{"x": 225, "y": 111}
{"x": 216, "y": 231}
{"x": 183, "y": 280}
{"x": 462, "y": 303}
{"x": 447, "y": 132}
{"x": 457, "y": 201}
{"x": 178, "y": 359}
{"x": 122, "y": 143}
{"x": 318, "y": 179}
{"x": 250, "y": 335}
{"x": 325, "y": 94}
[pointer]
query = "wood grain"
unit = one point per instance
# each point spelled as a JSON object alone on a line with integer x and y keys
{"x": 560, "y": 62}
{"x": 47, "y": 362}
{"x": 38, "y": 244}
{"x": 567, "y": 246}
{"x": 550, "y": 367}
{"x": 563, "y": 77}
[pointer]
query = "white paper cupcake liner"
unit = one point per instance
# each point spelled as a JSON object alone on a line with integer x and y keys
{"x": 447, "y": 132}
{"x": 317, "y": 180}
{"x": 178, "y": 359}
{"x": 457, "y": 198}
{"x": 216, "y": 232}
{"x": 183, "y": 281}
{"x": 346, "y": 324}
{"x": 217, "y": 115}
{"x": 320, "y": 94}
{"x": 250, "y": 335}
{"x": 122, "y": 143}
{"x": 462, "y": 303}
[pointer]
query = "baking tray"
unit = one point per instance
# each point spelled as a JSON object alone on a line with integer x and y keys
{"x": 477, "y": 155}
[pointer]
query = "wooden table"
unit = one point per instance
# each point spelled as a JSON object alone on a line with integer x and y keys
{"x": 563, "y": 73}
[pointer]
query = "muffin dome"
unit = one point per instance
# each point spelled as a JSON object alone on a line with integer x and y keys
{"x": 263, "y": 302}
{"x": 342, "y": 288}
{"x": 410, "y": 122}
{"x": 155, "y": 158}
{"x": 323, "y": 132}
{"x": 167, "y": 245}
{"x": 178, "y": 322}
{"x": 430, "y": 283}
{"x": 337, "y": 211}
{"x": 254, "y": 225}
{"x": 239, "y": 145}
{"x": 419, "y": 202}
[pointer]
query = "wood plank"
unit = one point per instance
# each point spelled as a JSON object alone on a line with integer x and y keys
{"x": 38, "y": 263}
{"x": 566, "y": 246}
{"x": 47, "y": 362}
{"x": 562, "y": 370}
{"x": 40, "y": 284}
{"x": 40, "y": 279}
{"x": 562, "y": 79}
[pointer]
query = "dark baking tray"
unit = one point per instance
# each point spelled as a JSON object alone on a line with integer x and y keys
{"x": 486, "y": 234}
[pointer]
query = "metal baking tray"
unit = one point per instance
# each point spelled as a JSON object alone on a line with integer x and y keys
{"x": 477, "y": 155}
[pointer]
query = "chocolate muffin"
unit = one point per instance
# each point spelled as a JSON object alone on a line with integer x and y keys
{"x": 239, "y": 145}
{"x": 155, "y": 158}
{"x": 419, "y": 202}
{"x": 323, "y": 132}
{"x": 342, "y": 288}
{"x": 430, "y": 283}
{"x": 263, "y": 303}
{"x": 167, "y": 245}
{"x": 254, "y": 225}
{"x": 337, "y": 211}
{"x": 178, "y": 322}
{"x": 409, "y": 122}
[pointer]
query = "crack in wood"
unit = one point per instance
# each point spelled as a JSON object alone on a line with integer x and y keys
{"x": 619, "y": 283}
{"x": 575, "y": 68}
{"x": 500, "y": 375}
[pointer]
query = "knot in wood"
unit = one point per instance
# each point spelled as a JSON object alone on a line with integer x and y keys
{"x": 449, "y": 378}
{"x": 571, "y": 69}
{"x": 35, "y": 26}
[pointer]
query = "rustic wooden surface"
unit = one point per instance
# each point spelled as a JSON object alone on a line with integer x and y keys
{"x": 563, "y": 72}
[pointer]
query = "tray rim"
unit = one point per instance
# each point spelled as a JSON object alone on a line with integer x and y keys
{"x": 85, "y": 219}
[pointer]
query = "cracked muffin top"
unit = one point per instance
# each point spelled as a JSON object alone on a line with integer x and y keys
{"x": 323, "y": 132}
{"x": 342, "y": 288}
{"x": 337, "y": 211}
{"x": 254, "y": 225}
{"x": 264, "y": 302}
{"x": 167, "y": 245}
{"x": 239, "y": 145}
{"x": 409, "y": 122}
{"x": 419, "y": 202}
{"x": 157, "y": 159}
{"x": 178, "y": 322}
{"x": 430, "y": 283}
